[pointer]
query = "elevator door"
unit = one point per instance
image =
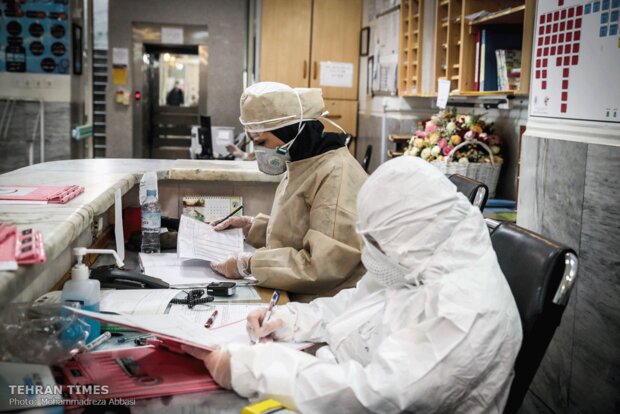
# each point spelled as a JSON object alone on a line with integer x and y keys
{"x": 173, "y": 100}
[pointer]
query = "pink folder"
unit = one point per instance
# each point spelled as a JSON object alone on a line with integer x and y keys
{"x": 142, "y": 372}
{"x": 24, "y": 194}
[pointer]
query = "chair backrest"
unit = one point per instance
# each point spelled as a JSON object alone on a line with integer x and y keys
{"x": 367, "y": 156}
{"x": 540, "y": 273}
{"x": 476, "y": 192}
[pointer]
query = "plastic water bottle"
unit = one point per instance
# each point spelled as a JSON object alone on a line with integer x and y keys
{"x": 151, "y": 223}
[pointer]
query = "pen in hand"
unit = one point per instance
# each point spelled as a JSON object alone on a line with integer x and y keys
{"x": 231, "y": 214}
{"x": 272, "y": 303}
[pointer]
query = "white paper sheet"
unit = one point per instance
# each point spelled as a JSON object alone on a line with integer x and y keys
{"x": 227, "y": 313}
{"x": 120, "y": 56}
{"x": 179, "y": 329}
{"x": 198, "y": 240}
{"x": 179, "y": 272}
{"x": 337, "y": 74}
{"x": 443, "y": 92}
{"x": 137, "y": 301}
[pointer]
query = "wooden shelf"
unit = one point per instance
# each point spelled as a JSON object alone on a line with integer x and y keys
{"x": 513, "y": 15}
{"x": 410, "y": 29}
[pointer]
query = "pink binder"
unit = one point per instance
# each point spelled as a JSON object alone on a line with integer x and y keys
{"x": 142, "y": 372}
{"x": 24, "y": 194}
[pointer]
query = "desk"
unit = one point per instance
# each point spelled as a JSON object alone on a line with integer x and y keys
{"x": 71, "y": 225}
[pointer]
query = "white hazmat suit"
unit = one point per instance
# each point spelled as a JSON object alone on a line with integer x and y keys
{"x": 431, "y": 327}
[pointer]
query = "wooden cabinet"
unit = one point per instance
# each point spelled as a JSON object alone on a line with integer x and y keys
{"x": 297, "y": 35}
{"x": 335, "y": 38}
{"x": 285, "y": 41}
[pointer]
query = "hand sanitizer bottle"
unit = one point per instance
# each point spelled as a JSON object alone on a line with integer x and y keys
{"x": 83, "y": 293}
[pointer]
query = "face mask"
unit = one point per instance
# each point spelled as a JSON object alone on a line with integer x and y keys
{"x": 381, "y": 267}
{"x": 271, "y": 161}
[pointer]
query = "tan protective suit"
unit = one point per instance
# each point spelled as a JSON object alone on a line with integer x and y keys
{"x": 309, "y": 246}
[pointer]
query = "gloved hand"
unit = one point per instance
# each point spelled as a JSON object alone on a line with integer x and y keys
{"x": 279, "y": 327}
{"x": 243, "y": 222}
{"x": 217, "y": 363}
{"x": 236, "y": 266}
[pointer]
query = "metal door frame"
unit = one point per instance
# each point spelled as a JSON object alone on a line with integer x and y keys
{"x": 150, "y": 33}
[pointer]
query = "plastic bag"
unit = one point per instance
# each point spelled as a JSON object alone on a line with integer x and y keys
{"x": 40, "y": 334}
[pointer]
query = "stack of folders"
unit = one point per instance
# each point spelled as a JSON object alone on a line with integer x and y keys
{"x": 23, "y": 194}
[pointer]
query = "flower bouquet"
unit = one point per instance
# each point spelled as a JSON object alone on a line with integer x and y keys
{"x": 459, "y": 144}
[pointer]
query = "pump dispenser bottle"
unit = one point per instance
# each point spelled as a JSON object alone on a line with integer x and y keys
{"x": 82, "y": 292}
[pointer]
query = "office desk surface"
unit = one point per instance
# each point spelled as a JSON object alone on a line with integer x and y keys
{"x": 68, "y": 225}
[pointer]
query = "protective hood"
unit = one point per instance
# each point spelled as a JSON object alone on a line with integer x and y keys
{"x": 411, "y": 209}
{"x": 266, "y": 106}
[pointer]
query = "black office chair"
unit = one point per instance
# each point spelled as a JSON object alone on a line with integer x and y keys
{"x": 367, "y": 156}
{"x": 541, "y": 274}
{"x": 476, "y": 192}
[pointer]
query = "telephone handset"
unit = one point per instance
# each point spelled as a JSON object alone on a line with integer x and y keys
{"x": 115, "y": 278}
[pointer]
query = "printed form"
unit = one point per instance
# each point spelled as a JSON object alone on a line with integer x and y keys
{"x": 198, "y": 240}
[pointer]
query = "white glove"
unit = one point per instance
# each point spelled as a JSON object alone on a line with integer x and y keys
{"x": 237, "y": 266}
{"x": 279, "y": 327}
{"x": 234, "y": 222}
{"x": 216, "y": 361}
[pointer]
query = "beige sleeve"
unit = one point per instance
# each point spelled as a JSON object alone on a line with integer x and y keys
{"x": 257, "y": 236}
{"x": 323, "y": 264}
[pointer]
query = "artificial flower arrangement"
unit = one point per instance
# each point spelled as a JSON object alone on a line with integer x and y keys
{"x": 460, "y": 144}
{"x": 438, "y": 136}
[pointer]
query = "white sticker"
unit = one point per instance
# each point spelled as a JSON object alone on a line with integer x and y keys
{"x": 443, "y": 92}
{"x": 337, "y": 74}
{"x": 172, "y": 35}
{"x": 120, "y": 56}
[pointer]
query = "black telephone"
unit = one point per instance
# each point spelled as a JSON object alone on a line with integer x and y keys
{"x": 115, "y": 278}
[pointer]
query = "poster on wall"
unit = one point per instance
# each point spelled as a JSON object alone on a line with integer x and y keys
{"x": 34, "y": 36}
{"x": 576, "y": 55}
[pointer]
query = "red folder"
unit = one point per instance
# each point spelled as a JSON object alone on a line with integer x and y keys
{"x": 24, "y": 194}
{"x": 142, "y": 372}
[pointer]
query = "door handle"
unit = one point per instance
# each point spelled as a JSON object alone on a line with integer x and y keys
{"x": 305, "y": 68}
{"x": 333, "y": 116}
{"x": 315, "y": 69}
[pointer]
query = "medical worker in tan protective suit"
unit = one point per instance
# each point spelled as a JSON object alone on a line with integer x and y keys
{"x": 308, "y": 246}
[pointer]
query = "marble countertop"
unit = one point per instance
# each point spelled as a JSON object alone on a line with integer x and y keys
{"x": 62, "y": 224}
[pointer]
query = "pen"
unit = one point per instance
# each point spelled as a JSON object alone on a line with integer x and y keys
{"x": 273, "y": 302}
{"x": 232, "y": 214}
{"x": 211, "y": 319}
{"x": 98, "y": 341}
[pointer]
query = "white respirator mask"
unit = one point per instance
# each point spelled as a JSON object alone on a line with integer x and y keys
{"x": 381, "y": 267}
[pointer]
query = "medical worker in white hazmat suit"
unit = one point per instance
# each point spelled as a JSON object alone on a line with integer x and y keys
{"x": 432, "y": 326}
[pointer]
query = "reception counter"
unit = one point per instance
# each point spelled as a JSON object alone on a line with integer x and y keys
{"x": 76, "y": 223}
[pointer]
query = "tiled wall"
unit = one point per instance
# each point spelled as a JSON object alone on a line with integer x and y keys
{"x": 14, "y": 147}
{"x": 570, "y": 192}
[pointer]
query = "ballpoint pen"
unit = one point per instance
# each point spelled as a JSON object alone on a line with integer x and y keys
{"x": 211, "y": 319}
{"x": 273, "y": 302}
